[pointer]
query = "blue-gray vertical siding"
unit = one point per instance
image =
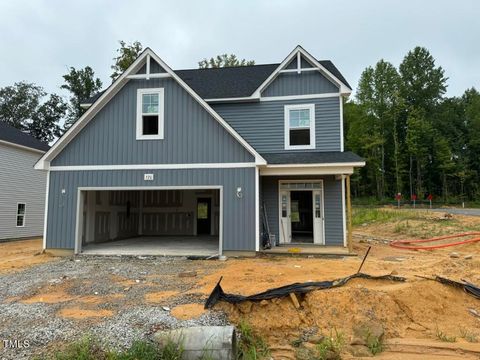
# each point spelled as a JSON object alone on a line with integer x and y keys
{"x": 191, "y": 134}
{"x": 332, "y": 205}
{"x": 307, "y": 82}
{"x": 238, "y": 213}
{"x": 262, "y": 124}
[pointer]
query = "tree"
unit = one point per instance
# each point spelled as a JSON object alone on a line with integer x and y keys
{"x": 82, "y": 84}
{"x": 127, "y": 54}
{"x": 21, "y": 106}
{"x": 378, "y": 94}
{"x": 423, "y": 83}
{"x": 19, "y": 102}
{"x": 45, "y": 121}
{"x": 224, "y": 60}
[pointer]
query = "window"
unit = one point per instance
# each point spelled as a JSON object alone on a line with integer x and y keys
{"x": 20, "y": 214}
{"x": 300, "y": 126}
{"x": 149, "y": 114}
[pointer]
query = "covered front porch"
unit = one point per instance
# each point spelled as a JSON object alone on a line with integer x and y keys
{"x": 305, "y": 207}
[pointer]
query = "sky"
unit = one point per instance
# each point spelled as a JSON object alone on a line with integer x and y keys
{"x": 39, "y": 40}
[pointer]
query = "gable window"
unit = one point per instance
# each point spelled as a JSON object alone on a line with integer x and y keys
{"x": 21, "y": 214}
{"x": 150, "y": 114}
{"x": 300, "y": 126}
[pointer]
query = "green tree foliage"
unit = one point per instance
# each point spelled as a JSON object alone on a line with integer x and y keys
{"x": 27, "y": 107}
{"x": 224, "y": 60}
{"x": 126, "y": 55}
{"x": 415, "y": 140}
{"x": 82, "y": 84}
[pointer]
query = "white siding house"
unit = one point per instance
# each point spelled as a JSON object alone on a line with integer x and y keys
{"x": 22, "y": 189}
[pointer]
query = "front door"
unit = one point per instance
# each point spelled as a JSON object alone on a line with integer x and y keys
{"x": 302, "y": 218}
{"x": 204, "y": 220}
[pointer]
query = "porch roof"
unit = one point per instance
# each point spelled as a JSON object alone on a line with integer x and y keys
{"x": 323, "y": 157}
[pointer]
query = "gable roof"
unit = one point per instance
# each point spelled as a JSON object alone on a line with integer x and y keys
{"x": 15, "y": 136}
{"x": 107, "y": 95}
{"x": 232, "y": 82}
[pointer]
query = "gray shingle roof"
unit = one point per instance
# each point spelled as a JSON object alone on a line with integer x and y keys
{"x": 236, "y": 81}
{"x": 299, "y": 157}
{"x": 13, "y": 135}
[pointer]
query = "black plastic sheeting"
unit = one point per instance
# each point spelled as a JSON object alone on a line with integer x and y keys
{"x": 297, "y": 288}
{"x": 469, "y": 288}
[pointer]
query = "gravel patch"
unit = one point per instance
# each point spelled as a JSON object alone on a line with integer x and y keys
{"x": 125, "y": 279}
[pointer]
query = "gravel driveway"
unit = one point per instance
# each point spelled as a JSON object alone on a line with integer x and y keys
{"x": 107, "y": 297}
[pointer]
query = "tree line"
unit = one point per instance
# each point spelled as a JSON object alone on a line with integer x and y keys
{"x": 415, "y": 140}
{"x": 29, "y": 108}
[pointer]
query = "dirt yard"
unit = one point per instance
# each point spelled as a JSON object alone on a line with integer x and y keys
{"x": 49, "y": 301}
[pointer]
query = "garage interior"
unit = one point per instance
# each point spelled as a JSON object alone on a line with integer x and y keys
{"x": 150, "y": 222}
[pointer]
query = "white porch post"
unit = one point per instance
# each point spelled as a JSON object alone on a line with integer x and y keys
{"x": 257, "y": 209}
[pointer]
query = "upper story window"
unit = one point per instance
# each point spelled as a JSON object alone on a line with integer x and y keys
{"x": 150, "y": 114}
{"x": 21, "y": 214}
{"x": 300, "y": 126}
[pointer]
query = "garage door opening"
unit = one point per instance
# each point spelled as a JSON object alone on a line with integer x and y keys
{"x": 171, "y": 222}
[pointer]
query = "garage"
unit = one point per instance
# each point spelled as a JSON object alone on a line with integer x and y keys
{"x": 160, "y": 221}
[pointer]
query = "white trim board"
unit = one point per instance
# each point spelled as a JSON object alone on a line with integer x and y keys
{"x": 299, "y": 51}
{"x": 45, "y": 214}
{"x": 152, "y": 166}
{"x": 79, "y": 210}
{"x": 332, "y": 170}
{"x": 44, "y": 162}
{"x": 27, "y": 148}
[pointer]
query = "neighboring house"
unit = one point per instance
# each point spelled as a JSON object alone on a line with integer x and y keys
{"x": 198, "y": 159}
{"x": 22, "y": 188}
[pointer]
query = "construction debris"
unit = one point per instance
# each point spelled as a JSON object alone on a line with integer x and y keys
{"x": 218, "y": 294}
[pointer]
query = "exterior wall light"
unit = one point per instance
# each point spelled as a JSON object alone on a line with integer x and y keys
{"x": 239, "y": 192}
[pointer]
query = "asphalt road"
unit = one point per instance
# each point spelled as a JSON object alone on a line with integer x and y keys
{"x": 470, "y": 212}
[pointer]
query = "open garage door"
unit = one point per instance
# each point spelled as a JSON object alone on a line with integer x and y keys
{"x": 171, "y": 222}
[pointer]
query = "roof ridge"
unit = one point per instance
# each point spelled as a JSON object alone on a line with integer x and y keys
{"x": 229, "y": 67}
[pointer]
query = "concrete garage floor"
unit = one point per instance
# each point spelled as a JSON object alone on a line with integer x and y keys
{"x": 156, "y": 245}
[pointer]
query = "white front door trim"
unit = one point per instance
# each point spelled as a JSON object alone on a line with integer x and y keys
{"x": 287, "y": 230}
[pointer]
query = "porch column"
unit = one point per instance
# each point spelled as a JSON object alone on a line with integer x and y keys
{"x": 140, "y": 214}
{"x": 349, "y": 215}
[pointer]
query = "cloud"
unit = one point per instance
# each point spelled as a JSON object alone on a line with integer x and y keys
{"x": 40, "y": 39}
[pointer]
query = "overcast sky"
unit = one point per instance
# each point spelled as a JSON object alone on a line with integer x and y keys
{"x": 40, "y": 39}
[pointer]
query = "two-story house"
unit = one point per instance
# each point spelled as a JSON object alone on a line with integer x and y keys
{"x": 22, "y": 188}
{"x": 204, "y": 161}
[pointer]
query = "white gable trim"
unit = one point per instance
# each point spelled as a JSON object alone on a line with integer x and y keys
{"x": 298, "y": 52}
{"x": 44, "y": 162}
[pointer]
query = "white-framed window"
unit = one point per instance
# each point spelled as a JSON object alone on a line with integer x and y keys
{"x": 150, "y": 108}
{"x": 300, "y": 126}
{"x": 21, "y": 208}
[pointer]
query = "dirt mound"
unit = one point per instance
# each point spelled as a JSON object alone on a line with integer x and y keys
{"x": 419, "y": 308}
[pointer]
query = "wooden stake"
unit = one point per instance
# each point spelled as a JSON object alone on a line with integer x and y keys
{"x": 294, "y": 300}
{"x": 349, "y": 216}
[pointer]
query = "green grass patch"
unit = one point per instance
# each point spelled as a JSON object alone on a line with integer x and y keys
{"x": 331, "y": 346}
{"x": 470, "y": 336}
{"x": 440, "y": 335}
{"x": 89, "y": 348}
{"x": 251, "y": 345}
{"x": 368, "y": 215}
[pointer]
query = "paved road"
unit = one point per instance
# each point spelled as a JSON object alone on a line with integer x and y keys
{"x": 470, "y": 212}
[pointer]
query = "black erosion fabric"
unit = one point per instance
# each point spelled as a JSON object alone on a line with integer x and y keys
{"x": 466, "y": 286}
{"x": 297, "y": 288}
